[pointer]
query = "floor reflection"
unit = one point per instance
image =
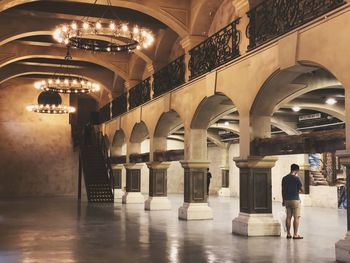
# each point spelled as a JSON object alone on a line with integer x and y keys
{"x": 62, "y": 230}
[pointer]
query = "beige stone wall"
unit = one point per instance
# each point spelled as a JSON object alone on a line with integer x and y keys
{"x": 224, "y": 15}
{"x": 37, "y": 157}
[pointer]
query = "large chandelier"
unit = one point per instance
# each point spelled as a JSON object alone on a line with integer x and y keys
{"x": 66, "y": 83}
{"x": 96, "y": 34}
{"x": 50, "y": 102}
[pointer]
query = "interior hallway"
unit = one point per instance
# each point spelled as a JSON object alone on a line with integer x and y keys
{"x": 58, "y": 230}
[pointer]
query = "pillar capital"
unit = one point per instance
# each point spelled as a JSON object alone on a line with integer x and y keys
{"x": 117, "y": 166}
{"x": 133, "y": 165}
{"x": 224, "y": 168}
{"x": 255, "y": 162}
{"x": 344, "y": 157}
{"x": 189, "y": 42}
{"x": 131, "y": 83}
{"x": 195, "y": 164}
{"x": 158, "y": 165}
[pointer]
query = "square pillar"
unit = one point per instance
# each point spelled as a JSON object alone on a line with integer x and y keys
{"x": 133, "y": 185}
{"x": 342, "y": 247}
{"x": 225, "y": 182}
{"x": 195, "y": 205}
{"x": 255, "y": 217}
{"x": 117, "y": 178}
{"x": 158, "y": 199}
{"x": 304, "y": 175}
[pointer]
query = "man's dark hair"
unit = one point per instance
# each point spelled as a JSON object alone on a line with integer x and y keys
{"x": 294, "y": 167}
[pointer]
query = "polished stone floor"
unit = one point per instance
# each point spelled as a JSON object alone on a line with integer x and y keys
{"x": 39, "y": 230}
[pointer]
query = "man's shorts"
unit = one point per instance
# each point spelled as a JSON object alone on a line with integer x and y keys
{"x": 293, "y": 208}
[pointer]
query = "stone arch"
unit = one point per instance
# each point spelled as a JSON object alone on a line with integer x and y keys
{"x": 118, "y": 144}
{"x": 150, "y": 8}
{"x": 16, "y": 52}
{"x": 166, "y": 123}
{"x": 139, "y": 132}
{"x": 282, "y": 87}
{"x": 210, "y": 108}
{"x": 295, "y": 82}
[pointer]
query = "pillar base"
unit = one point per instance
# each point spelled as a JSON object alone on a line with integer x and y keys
{"x": 195, "y": 211}
{"x": 157, "y": 203}
{"x": 118, "y": 195}
{"x": 342, "y": 249}
{"x": 256, "y": 225}
{"x": 224, "y": 192}
{"x": 133, "y": 198}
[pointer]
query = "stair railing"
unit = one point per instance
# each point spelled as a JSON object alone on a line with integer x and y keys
{"x": 99, "y": 138}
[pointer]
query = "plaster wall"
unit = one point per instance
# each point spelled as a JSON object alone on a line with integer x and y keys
{"x": 37, "y": 157}
{"x": 282, "y": 168}
{"x": 223, "y": 16}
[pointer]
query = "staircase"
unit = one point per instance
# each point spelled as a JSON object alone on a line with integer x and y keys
{"x": 96, "y": 173}
{"x": 317, "y": 178}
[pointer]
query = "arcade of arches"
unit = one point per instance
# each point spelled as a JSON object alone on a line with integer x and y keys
{"x": 223, "y": 87}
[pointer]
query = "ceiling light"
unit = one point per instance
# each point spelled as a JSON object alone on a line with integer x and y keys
{"x": 296, "y": 108}
{"x": 50, "y": 102}
{"x": 66, "y": 83}
{"x": 331, "y": 101}
{"x": 96, "y": 35}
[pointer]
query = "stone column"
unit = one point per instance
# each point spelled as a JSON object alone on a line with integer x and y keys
{"x": 342, "y": 247}
{"x": 225, "y": 182}
{"x": 195, "y": 206}
{"x": 304, "y": 175}
{"x": 187, "y": 44}
{"x": 255, "y": 217}
{"x": 133, "y": 184}
{"x": 157, "y": 199}
{"x": 117, "y": 177}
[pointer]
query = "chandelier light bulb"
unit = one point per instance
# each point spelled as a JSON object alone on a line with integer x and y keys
{"x": 86, "y": 25}
{"x": 125, "y": 28}
{"x": 74, "y": 26}
{"x": 112, "y": 26}
{"x": 98, "y": 25}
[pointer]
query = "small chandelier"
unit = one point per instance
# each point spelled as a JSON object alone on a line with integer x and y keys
{"x": 67, "y": 83}
{"x": 95, "y": 35}
{"x": 50, "y": 102}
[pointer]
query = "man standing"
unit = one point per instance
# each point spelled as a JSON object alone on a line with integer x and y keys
{"x": 291, "y": 186}
{"x": 208, "y": 180}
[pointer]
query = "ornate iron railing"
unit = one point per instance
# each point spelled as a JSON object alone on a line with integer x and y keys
{"x": 273, "y": 18}
{"x": 169, "y": 77}
{"x": 99, "y": 137}
{"x": 119, "y": 105}
{"x": 105, "y": 113}
{"x": 140, "y": 94}
{"x": 215, "y": 51}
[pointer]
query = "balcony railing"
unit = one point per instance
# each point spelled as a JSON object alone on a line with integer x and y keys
{"x": 140, "y": 94}
{"x": 273, "y": 18}
{"x": 105, "y": 113}
{"x": 215, "y": 51}
{"x": 267, "y": 21}
{"x": 169, "y": 77}
{"x": 119, "y": 105}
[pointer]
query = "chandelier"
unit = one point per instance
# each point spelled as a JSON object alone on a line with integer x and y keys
{"x": 97, "y": 35}
{"x": 50, "y": 102}
{"x": 66, "y": 83}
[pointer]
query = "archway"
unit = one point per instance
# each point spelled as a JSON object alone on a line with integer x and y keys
{"x": 311, "y": 101}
